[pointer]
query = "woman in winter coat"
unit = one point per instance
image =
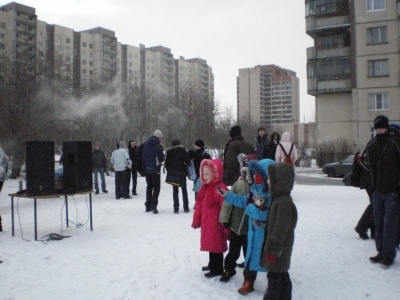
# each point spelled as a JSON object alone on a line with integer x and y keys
{"x": 178, "y": 159}
{"x": 282, "y": 220}
{"x": 3, "y": 172}
{"x": 286, "y": 144}
{"x": 208, "y": 205}
{"x": 258, "y": 176}
{"x": 198, "y": 154}
{"x": 274, "y": 137}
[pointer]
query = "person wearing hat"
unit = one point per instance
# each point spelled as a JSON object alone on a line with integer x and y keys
{"x": 382, "y": 161}
{"x": 152, "y": 157}
{"x": 178, "y": 159}
{"x": 121, "y": 162}
{"x": 99, "y": 164}
{"x": 233, "y": 148}
{"x": 198, "y": 154}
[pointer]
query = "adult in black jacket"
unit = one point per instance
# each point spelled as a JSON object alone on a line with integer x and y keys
{"x": 178, "y": 159}
{"x": 274, "y": 138}
{"x": 134, "y": 158}
{"x": 262, "y": 143}
{"x": 99, "y": 167}
{"x": 198, "y": 154}
{"x": 382, "y": 160}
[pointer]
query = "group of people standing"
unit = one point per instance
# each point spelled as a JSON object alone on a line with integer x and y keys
{"x": 377, "y": 170}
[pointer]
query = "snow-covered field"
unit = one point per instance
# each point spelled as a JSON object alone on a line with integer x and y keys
{"x": 131, "y": 254}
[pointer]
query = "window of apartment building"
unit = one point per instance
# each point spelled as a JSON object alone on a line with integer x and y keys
{"x": 378, "y": 68}
{"x": 373, "y": 5}
{"x": 318, "y": 7}
{"x": 83, "y": 71}
{"x": 90, "y": 72}
{"x": 372, "y": 132}
{"x": 377, "y": 35}
{"x": 130, "y": 55}
{"x": 41, "y": 53}
{"x": 2, "y": 25}
{"x": 68, "y": 59}
{"x": 90, "y": 46}
{"x": 91, "y": 54}
{"x": 91, "y": 63}
{"x": 83, "y": 44}
{"x": 378, "y": 101}
{"x": 84, "y": 62}
{"x": 2, "y": 46}
{"x": 67, "y": 68}
{"x": 2, "y": 35}
{"x": 83, "y": 52}
{"x": 59, "y": 48}
{"x": 68, "y": 40}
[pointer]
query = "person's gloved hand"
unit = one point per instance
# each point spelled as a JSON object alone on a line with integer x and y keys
{"x": 250, "y": 199}
{"x": 270, "y": 258}
{"x": 226, "y": 225}
{"x": 195, "y": 226}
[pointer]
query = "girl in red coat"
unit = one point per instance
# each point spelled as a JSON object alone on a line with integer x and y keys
{"x": 206, "y": 215}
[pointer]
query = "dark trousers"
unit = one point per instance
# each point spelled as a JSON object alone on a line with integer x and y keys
{"x": 216, "y": 263}
{"x": 133, "y": 173}
{"x": 367, "y": 219}
{"x": 386, "y": 216}
{"x": 279, "y": 286}
{"x": 153, "y": 181}
{"x": 236, "y": 242}
{"x": 249, "y": 274}
{"x": 96, "y": 172}
{"x": 175, "y": 194}
{"x": 121, "y": 184}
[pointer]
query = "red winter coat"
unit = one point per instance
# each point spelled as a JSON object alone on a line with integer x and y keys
{"x": 208, "y": 207}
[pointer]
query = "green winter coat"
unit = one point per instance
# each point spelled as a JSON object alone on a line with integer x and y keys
{"x": 282, "y": 219}
{"x": 236, "y": 217}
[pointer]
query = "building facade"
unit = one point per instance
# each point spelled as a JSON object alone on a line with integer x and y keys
{"x": 89, "y": 58}
{"x": 267, "y": 95}
{"x": 353, "y": 68}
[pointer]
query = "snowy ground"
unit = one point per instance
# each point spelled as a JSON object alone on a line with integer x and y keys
{"x": 131, "y": 254}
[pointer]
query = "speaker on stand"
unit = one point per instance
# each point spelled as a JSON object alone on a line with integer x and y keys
{"x": 39, "y": 168}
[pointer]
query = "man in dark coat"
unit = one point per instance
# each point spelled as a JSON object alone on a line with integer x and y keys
{"x": 198, "y": 154}
{"x": 178, "y": 159}
{"x": 99, "y": 166}
{"x": 153, "y": 156}
{"x": 262, "y": 143}
{"x": 281, "y": 223}
{"x": 134, "y": 158}
{"x": 382, "y": 160}
{"x": 233, "y": 148}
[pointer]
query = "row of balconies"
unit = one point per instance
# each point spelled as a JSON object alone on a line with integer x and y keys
{"x": 315, "y": 25}
{"x": 313, "y": 53}
{"x": 317, "y": 86}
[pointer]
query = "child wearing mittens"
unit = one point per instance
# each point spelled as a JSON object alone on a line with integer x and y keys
{"x": 213, "y": 235}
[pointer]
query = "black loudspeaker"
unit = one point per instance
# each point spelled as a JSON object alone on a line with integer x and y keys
{"x": 77, "y": 163}
{"x": 39, "y": 168}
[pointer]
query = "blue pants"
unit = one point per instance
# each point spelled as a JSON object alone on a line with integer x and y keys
{"x": 386, "y": 217}
{"x": 96, "y": 182}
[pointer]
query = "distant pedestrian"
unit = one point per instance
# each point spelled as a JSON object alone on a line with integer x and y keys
{"x": 3, "y": 172}
{"x": 152, "y": 156}
{"x": 178, "y": 159}
{"x": 198, "y": 154}
{"x": 382, "y": 160}
{"x": 134, "y": 158}
{"x": 274, "y": 138}
{"x": 262, "y": 143}
{"x": 233, "y": 148}
{"x": 99, "y": 166}
{"x": 121, "y": 162}
{"x": 286, "y": 146}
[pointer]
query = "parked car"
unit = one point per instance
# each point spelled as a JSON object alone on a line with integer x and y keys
{"x": 339, "y": 168}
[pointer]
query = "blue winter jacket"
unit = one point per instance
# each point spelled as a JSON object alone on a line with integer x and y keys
{"x": 256, "y": 233}
{"x": 152, "y": 155}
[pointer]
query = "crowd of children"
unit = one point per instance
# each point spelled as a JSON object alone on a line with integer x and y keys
{"x": 262, "y": 193}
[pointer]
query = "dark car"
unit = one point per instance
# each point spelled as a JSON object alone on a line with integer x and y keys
{"x": 339, "y": 168}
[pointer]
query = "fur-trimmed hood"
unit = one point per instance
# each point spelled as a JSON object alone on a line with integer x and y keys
{"x": 271, "y": 135}
{"x": 216, "y": 168}
{"x": 261, "y": 169}
{"x": 173, "y": 147}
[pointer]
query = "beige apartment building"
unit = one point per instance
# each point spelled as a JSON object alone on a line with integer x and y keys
{"x": 267, "y": 95}
{"x": 353, "y": 68}
{"x": 91, "y": 57}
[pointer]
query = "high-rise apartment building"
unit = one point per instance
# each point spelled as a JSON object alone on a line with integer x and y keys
{"x": 92, "y": 57}
{"x": 267, "y": 95}
{"x": 353, "y": 68}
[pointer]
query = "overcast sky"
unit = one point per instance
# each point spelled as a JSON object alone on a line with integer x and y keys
{"x": 229, "y": 34}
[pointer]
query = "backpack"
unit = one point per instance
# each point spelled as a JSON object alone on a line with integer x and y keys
{"x": 140, "y": 162}
{"x": 288, "y": 157}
